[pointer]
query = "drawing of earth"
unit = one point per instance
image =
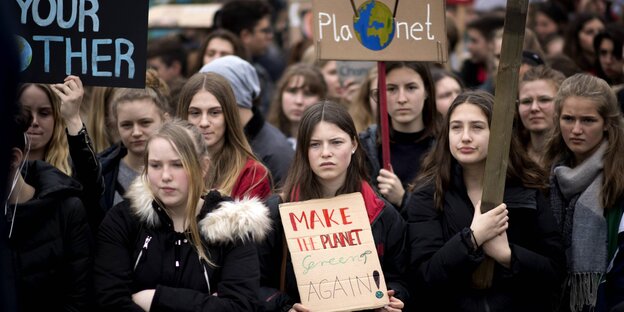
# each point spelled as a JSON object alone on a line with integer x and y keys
{"x": 25, "y": 52}
{"x": 374, "y": 27}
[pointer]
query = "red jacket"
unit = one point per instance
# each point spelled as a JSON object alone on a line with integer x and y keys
{"x": 253, "y": 181}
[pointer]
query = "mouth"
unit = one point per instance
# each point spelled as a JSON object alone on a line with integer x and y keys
{"x": 576, "y": 140}
{"x": 327, "y": 164}
{"x": 140, "y": 142}
{"x": 34, "y": 133}
{"x": 466, "y": 150}
{"x": 167, "y": 189}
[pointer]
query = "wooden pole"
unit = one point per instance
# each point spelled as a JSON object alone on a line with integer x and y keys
{"x": 502, "y": 120}
{"x": 383, "y": 115}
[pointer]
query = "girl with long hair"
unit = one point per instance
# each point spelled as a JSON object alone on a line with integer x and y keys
{"x": 301, "y": 85}
{"x": 450, "y": 237}
{"x": 207, "y": 101}
{"x": 411, "y": 98}
{"x": 586, "y": 191}
{"x": 329, "y": 161}
{"x": 169, "y": 247}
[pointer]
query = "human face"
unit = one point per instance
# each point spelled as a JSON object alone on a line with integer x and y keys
{"x": 206, "y": 113}
{"x": 258, "y": 40}
{"x": 330, "y": 73}
{"x": 582, "y": 127}
{"x": 216, "y": 48}
{"x": 469, "y": 135}
{"x": 477, "y": 46}
{"x": 372, "y": 89}
{"x": 166, "y": 73}
{"x": 168, "y": 178}
{"x": 587, "y": 34}
{"x": 406, "y": 98}
{"x": 330, "y": 154}
{"x": 447, "y": 89}
{"x": 536, "y": 106}
{"x": 136, "y": 121}
{"x": 37, "y": 103}
{"x": 296, "y": 97}
{"x": 611, "y": 66}
{"x": 544, "y": 26}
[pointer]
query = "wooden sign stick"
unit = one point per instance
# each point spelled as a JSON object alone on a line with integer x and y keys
{"x": 383, "y": 113}
{"x": 502, "y": 120}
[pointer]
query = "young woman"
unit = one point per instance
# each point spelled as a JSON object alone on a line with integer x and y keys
{"x": 610, "y": 61}
{"x": 301, "y": 85}
{"x": 412, "y": 118}
{"x": 137, "y": 114}
{"x": 363, "y": 109}
{"x": 536, "y": 109}
{"x": 450, "y": 237}
{"x": 579, "y": 40}
{"x": 219, "y": 43}
{"x": 587, "y": 190}
{"x": 207, "y": 101}
{"x": 448, "y": 86}
{"x": 329, "y": 162}
{"x": 168, "y": 249}
{"x": 48, "y": 235}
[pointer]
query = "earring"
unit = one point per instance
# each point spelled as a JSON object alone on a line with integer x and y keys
{"x": 353, "y": 151}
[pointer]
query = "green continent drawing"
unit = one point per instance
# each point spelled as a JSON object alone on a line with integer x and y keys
{"x": 374, "y": 27}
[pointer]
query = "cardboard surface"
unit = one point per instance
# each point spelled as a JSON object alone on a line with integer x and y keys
{"x": 103, "y": 42}
{"x": 333, "y": 254}
{"x": 417, "y": 33}
{"x": 183, "y": 15}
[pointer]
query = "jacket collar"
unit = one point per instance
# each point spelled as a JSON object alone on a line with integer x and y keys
{"x": 220, "y": 220}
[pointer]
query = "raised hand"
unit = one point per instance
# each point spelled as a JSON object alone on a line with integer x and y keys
{"x": 70, "y": 92}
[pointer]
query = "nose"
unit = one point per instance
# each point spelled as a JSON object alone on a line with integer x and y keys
{"x": 466, "y": 135}
{"x": 204, "y": 122}
{"x": 534, "y": 105}
{"x": 402, "y": 98}
{"x": 299, "y": 97}
{"x": 577, "y": 129}
{"x": 326, "y": 151}
{"x": 136, "y": 130}
{"x": 166, "y": 175}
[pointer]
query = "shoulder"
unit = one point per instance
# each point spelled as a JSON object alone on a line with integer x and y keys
{"x": 369, "y": 134}
{"x": 111, "y": 155}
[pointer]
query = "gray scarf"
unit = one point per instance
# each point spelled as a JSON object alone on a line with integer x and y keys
{"x": 584, "y": 227}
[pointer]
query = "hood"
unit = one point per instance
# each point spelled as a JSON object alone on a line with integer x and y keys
{"x": 221, "y": 219}
{"x": 49, "y": 182}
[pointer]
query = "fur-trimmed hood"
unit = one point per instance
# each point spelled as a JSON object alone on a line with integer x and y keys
{"x": 221, "y": 220}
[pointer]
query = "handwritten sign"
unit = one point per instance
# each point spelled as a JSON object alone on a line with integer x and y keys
{"x": 333, "y": 254}
{"x": 103, "y": 42}
{"x": 380, "y": 30}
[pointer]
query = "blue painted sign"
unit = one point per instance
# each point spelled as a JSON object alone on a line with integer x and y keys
{"x": 103, "y": 42}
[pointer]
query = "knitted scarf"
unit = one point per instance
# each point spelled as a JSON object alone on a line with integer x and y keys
{"x": 579, "y": 211}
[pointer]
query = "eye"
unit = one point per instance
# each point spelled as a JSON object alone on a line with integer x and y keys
{"x": 545, "y": 99}
{"x": 337, "y": 142}
{"x": 177, "y": 164}
{"x": 567, "y": 118}
{"x": 315, "y": 144}
{"x": 526, "y": 101}
{"x": 154, "y": 165}
{"x": 391, "y": 89}
{"x": 126, "y": 125}
{"x": 588, "y": 120}
{"x": 194, "y": 113}
{"x": 146, "y": 123}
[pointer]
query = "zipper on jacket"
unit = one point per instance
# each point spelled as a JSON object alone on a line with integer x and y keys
{"x": 205, "y": 274}
{"x": 145, "y": 245}
{"x": 178, "y": 244}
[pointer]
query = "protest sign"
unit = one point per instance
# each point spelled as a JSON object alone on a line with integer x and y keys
{"x": 103, "y": 42}
{"x": 353, "y": 71}
{"x": 333, "y": 254}
{"x": 380, "y": 30}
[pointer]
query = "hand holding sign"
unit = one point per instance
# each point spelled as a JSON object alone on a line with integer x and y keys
{"x": 395, "y": 305}
{"x": 390, "y": 187}
{"x": 486, "y": 226}
{"x": 70, "y": 92}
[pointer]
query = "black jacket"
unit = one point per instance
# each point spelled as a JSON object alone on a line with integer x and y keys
{"x": 138, "y": 249}
{"x": 51, "y": 244}
{"x": 442, "y": 257}
{"x": 388, "y": 230}
{"x": 109, "y": 160}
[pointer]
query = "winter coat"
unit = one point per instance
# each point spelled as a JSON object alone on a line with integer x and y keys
{"x": 388, "y": 229}
{"x": 138, "y": 249}
{"x": 51, "y": 243}
{"x": 253, "y": 181}
{"x": 443, "y": 259}
{"x": 109, "y": 160}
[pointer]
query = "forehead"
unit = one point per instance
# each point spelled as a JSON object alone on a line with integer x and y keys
{"x": 540, "y": 86}
{"x": 327, "y": 130}
{"x": 136, "y": 109}
{"x": 204, "y": 100}
{"x": 403, "y": 73}
{"x": 467, "y": 112}
{"x": 161, "y": 149}
{"x": 297, "y": 81}
{"x": 576, "y": 105}
{"x": 220, "y": 43}
{"x": 34, "y": 97}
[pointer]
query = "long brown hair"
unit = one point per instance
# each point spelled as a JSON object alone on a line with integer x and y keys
{"x": 226, "y": 164}
{"x": 597, "y": 90}
{"x": 301, "y": 182}
{"x": 437, "y": 165}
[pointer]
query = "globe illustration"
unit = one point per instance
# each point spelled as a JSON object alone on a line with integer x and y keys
{"x": 374, "y": 27}
{"x": 25, "y": 52}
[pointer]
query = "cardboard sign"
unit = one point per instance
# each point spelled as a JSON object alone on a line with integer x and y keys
{"x": 333, "y": 254}
{"x": 183, "y": 15}
{"x": 102, "y": 42}
{"x": 353, "y": 71}
{"x": 380, "y": 30}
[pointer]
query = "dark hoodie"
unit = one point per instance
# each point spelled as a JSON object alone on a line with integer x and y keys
{"x": 138, "y": 249}
{"x": 51, "y": 243}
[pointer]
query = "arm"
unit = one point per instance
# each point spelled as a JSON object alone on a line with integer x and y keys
{"x": 78, "y": 248}
{"x": 113, "y": 262}
{"x": 235, "y": 291}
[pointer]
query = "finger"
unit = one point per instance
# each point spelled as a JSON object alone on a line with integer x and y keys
{"x": 391, "y": 292}
{"x": 58, "y": 92}
{"x": 71, "y": 84}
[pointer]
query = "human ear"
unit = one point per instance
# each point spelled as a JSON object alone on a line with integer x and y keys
{"x": 17, "y": 156}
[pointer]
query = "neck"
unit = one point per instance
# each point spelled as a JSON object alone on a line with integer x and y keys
{"x": 294, "y": 129}
{"x": 412, "y": 127}
{"x": 135, "y": 162}
{"x": 538, "y": 140}
{"x": 22, "y": 192}
{"x": 473, "y": 179}
{"x": 178, "y": 216}
{"x": 38, "y": 154}
{"x": 330, "y": 188}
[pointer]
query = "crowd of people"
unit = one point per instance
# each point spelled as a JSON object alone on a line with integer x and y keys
{"x": 166, "y": 198}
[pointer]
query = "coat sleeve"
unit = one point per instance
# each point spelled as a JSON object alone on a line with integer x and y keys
{"x": 113, "y": 261}
{"x": 88, "y": 172}
{"x": 78, "y": 240}
{"x": 236, "y": 290}
{"x": 545, "y": 262}
{"x": 434, "y": 261}
{"x": 395, "y": 256}
{"x": 270, "y": 252}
